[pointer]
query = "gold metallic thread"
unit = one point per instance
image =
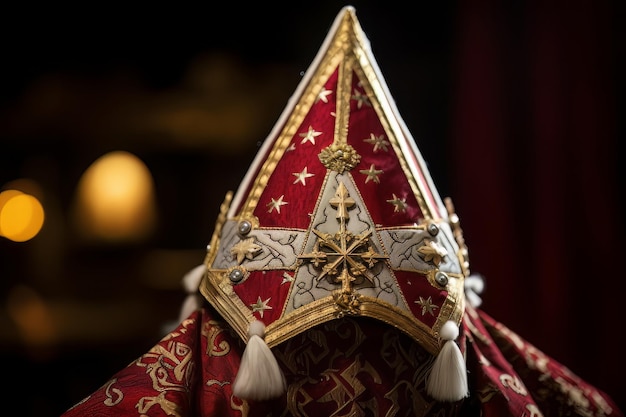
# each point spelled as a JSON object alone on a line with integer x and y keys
{"x": 344, "y": 87}
{"x": 217, "y": 232}
{"x": 325, "y": 309}
{"x": 217, "y": 289}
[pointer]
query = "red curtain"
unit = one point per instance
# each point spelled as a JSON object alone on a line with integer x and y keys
{"x": 535, "y": 143}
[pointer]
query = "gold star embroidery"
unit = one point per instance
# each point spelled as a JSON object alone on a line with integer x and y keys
{"x": 398, "y": 204}
{"x": 379, "y": 142}
{"x": 432, "y": 251}
{"x": 287, "y": 278}
{"x": 372, "y": 174}
{"x": 291, "y": 148}
{"x": 323, "y": 95}
{"x": 275, "y": 204}
{"x": 260, "y": 306}
{"x": 360, "y": 99}
{"x": 310, "y": 135}
{"x": 427, "y": 305}
{"x": 302, "y": 176}
{"x": 246, "y": 249}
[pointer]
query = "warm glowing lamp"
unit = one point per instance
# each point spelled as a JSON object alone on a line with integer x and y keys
{"x": 21, "y": 216}
{"x": 116, "y": 198}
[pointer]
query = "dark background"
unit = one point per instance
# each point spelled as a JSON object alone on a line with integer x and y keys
{"x": 516, "y": 108}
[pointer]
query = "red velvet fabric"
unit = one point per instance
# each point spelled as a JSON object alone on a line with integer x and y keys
{"x": 536, "y": 176}
{"x": 346, "y": 367}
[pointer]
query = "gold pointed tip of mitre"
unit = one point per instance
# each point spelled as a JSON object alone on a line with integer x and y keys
{"x": 346, "y": 18}
{"x": 347, "y": 10}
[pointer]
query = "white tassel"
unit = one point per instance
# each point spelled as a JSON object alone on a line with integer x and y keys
{"x": 474, "y": 286}
{"x": 191, "y": 283}
{"x": 448, "y": 377}
{"x": 259, "y": 376}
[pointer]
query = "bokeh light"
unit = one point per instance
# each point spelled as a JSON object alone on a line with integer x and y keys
{"x": 21, "y": 215}
{"x": 32, "y": 316}
{"x": 115, "y": 199}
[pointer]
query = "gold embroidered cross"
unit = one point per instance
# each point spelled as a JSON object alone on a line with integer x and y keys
{"x": 342, "y": 202}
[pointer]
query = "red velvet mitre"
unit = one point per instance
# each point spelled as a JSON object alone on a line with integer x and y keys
{"x": 338, "y": 215}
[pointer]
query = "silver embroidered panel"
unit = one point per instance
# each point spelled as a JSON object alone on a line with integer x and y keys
{"x": 278, "y": 248}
